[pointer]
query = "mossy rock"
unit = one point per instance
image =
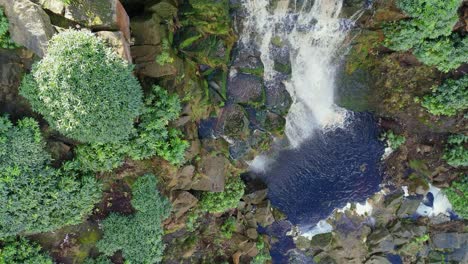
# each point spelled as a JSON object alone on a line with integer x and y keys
{"x": 321, "y": 240}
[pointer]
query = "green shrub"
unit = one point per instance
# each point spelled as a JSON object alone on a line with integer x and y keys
{"x": 263, "y": 254}
{"x": 21, "y": 145}
{"x": 36, "y": 198}
{"x": 228, "y": 227}
{"x": 458, "y": 197}
{"x": 218, "y": 202}
{"x": 84, "y": 89}
{"x": 22, "y": 251}
{"x": 393, "y": 141}
{"x": 165, "y": 56}
{"x": 449, "y": 98}
{"x": 429, "y": 32}
{"x": 430, "y": 19}
{"x": 44, "y": 200}
{"x": 5, "y": 40}
{"x": 152, "y": 138}
{"x": 456, "y": 152}
{"x": 139, "y": 236}
{"x": 445, "y": 53}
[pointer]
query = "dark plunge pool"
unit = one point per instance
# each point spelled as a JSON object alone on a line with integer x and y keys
{"x": 329, "y": 170}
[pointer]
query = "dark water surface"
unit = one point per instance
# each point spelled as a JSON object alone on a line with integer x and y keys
{"x": 326, "y": 172}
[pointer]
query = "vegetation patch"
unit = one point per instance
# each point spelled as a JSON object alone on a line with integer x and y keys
{"x": 84, "y": 89}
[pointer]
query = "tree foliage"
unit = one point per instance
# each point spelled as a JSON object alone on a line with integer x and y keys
{"x": 458, "y": 196}
{"x": 218, "y": 202}
{"x": 139, "y": 236}
{"x": 429, "y": 33}
{"x": 152, "y": 137}
{"x": 5, "y": 40}
{"x": 456, "y": 152}
{"x": 394, "y": 141}
{"x": 22, "y": 251}
{"x": 35, "y": 197}
{"x": 449, "y": 98}
{"x": 21, "y": 145}
{"x": 84, "y": 89}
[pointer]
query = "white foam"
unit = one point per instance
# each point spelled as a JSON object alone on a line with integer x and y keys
{"x": 441, "y": 204}
{"x": 322, "y": 227}
{"x": 313, "y": 41}
{"x": 364, "y": 209}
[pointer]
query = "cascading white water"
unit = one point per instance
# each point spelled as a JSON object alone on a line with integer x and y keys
{"x": 314, "y": 34}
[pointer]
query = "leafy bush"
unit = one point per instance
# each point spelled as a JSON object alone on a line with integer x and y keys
{"x": 228, "y": 227}
{"x": 84, "y": 89}
{"x": 456, "y": 153}
{"x": 36, "y": 198}
{"x": 218, "y": 202}
{"x": 5, "y": 40}
{"x": 446, "y": 53}
{"x": 152, "y": 138}
{"x": 449, "y": 98}
{"x": 431, "y": 19}
{"x": 458, "y": 197}
{"x": 43, "y": 200}
{"x": 165, "y": 56}
{"x": 139, "y": 236}
{"x": 22, "y": 251}
{"x": 428, "y": 33}
{"x": 21, "y": 145}
{"x": 263, "y": 254}
{"x": 393, "y": 141}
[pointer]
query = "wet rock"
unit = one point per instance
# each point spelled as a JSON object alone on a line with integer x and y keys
{"x": 449, "y": 240}
{"x": 263, "y": 214}
{"x": 277, "y": 97}
{"x": 233, "y": 122}
{"x": 99, "y": 15}
{"x": 145, "y": 59}
{"x": 210, "y": 174}
{"x": 245, "y": 89}
{"x": 29, "y": 25}
{"x": 378, "y": 260}
{"x": 147, "y": 30}
{"x": 256, "y": 197}
{"x": 378, "y": 236}
{"x": 182, "y": 180}
{"x": 117, "y": 41}
{"x": 409, "y": 206}
{"x": 321, "y": 241}
{"x": 252, "y": 233}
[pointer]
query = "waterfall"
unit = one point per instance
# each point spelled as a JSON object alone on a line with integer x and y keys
{"x": 314, "y": 33}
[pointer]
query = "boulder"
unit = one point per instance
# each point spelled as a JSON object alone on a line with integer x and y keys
{"x": 263, "y": 214}
{"x": 180, "y": 179}
{"x": 99, "y": 15}
{"x": 449, "y": 240}
{"x": 409, "y": 206}
{"x": 252, "y": 233}
{"x": 245, "y": 89}
{"x": 29, "y": 25}
{"x": 146, "y": 30}
{"x": 117, "y": 41}
{"x": 145, "y": 59}
{"x": 378, "y": 260}
{"x": 55, "y": 6}
{"x": 182, "y": 202}
{"x": 210, "y": 174}
{"x": 164, "y": 10}
{"x": 256, "y": 197}
{"x": 233, "y": 122}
